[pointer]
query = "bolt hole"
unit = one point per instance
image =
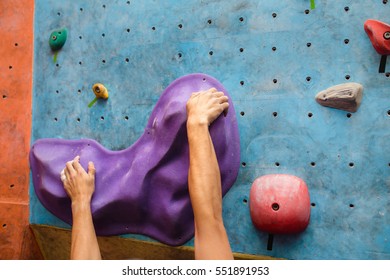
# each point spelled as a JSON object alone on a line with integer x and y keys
{"x": 351, "y": 164}
{"x": 274, "y": 81}
{"x": 349, "y": 115}
{"x": 245, "y": 201}
{"x": 351, "y": 205}
{"x": 81, "y": 9}
{"x": 242, "y": 83}
{"x": 241, "y": 49}
{"x": 180, "y": 26}
{"x": 11, "y": 186}
{"x": 103, "y": 35}
{"x": 55, "y": 119}
{"x": 243, "y": 164}
{"x": 10, "y": 67}
{"x": 16, "y": 44}
{"x": 128, "y": 2}
{"x": 388, "y": 112}
{"x": 128, "y": 30}
{"x": 275, "y": 206}
{"x": 307, "y": 12}
{"x": 242, "y": 113}
{"x": 79, "y": 91}
{"x": 209, "y": 21}
{"x": 275, "y": 114}
{"x": 78, "y": 119}
{"x": 58, "y": 14}
{"x": 346, "y": 9}
{"x": 308, "y": 79}
{"x": 241, "y": 19}
{"x": 308, "y": 45}
{"x": 313, "y": 204}
{"x": 179, "y": 55}
{"x": 126, "y": 118}
{"x": 153, "y": 28}
{"x": 104, "y": 6}
{"x": 103, "y": 61}
{"x": 4, "y": 96}
{"x": 274, "y": 49}
{"x": 211, "y": 52}
{"x": 313, "y": 163}
{"x": 274, "y": 15}
{"x": 277, "y": 164}
{"x": 346, "y": 41}
{"x": 102, "y": 118}
{"x": 80, "y": 62}
{"x": 310, "y": 115}
{"x": 384, "y": 2}
{"x": 4, "y": 225}
{"x": 80, "y": 37}
{"x": 347, "y": 77}
{"x": 127, "y": 59}
{"x": 387, "y": 74}
{"x": 57, "y": 65}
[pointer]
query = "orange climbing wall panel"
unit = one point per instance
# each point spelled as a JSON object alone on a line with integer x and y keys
{"x": 16, "y": 58}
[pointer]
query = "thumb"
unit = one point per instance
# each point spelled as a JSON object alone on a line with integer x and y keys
{"x": 91, "y": 169}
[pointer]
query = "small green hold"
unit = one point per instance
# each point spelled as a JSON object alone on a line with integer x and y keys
{"x": 58, "y": 39}
{"x": 312, "y": 4}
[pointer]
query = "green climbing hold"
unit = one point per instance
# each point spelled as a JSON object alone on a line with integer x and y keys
{"x": 58, "y": 39}
{"x": 312, "y": 4}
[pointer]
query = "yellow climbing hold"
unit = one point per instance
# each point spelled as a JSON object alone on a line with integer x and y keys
{"x": 100, "y": 91}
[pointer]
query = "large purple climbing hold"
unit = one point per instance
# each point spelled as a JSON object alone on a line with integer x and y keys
{"x": 142, "y": 189}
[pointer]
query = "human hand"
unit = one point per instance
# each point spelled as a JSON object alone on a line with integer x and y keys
{"x": 78, "y": 184}
{"x": 205, "y": 106}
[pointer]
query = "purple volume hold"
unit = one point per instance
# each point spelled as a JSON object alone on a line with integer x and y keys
{"x": 142, "y": 189}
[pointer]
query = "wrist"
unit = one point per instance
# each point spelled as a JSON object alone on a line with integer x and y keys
{"x": 81, "y": 205}
{"x": 197, "y": 122}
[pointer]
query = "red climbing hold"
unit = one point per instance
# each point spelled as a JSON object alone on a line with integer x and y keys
{"x": 280, "y": 204}
{"x": 379, "y": 34}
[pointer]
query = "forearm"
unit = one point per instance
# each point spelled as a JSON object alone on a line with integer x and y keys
{"x": 204, "y": 182}
{"x": 204, "y": 176}
{"x": 84, "y": 241}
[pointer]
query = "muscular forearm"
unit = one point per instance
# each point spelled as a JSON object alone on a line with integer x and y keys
{"x": 204, "y": 176}
{"x": 211, "y": 241}
{"x": 84, "y": 242}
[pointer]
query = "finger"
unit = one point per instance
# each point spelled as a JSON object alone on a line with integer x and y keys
{"x": 212, "y": 90}
{"x": 69, "y": 170}
{"x": 62, "y": 175}
{"x": 91, "y": 168}
{"x": 223, "y": 99}
{"x": 218, "y": 94}
{"x": 76, "y": 164}
{"x": 225, "y": 108}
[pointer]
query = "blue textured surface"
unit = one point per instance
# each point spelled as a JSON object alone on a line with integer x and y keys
{"x": 147, "y": 44}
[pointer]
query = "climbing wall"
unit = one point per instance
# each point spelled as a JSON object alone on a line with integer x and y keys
{"x": 16, "y": 51}
{"x": 273, "y": 57}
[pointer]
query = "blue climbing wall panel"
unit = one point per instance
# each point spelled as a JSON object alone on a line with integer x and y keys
{"x": 273, "y": 57}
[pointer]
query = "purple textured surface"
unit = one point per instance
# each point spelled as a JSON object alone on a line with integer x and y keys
{"x": 142, "y": 189}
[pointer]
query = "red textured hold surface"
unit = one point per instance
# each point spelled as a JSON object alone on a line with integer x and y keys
{"x": 379, "y": 34}
{"x": 280, "y": 204}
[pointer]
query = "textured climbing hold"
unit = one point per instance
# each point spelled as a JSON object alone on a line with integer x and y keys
{"x": 345, "y": 97}
{"x": 142, "y": 189}
{"x": 57, "y": 40}
{"x": 279, "y": 204}
{"x": 379, "y": 34}
{"x": 100, "y": 91}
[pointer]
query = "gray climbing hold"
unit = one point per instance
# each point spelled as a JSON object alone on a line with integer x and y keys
{"x": 345, "y": 97}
